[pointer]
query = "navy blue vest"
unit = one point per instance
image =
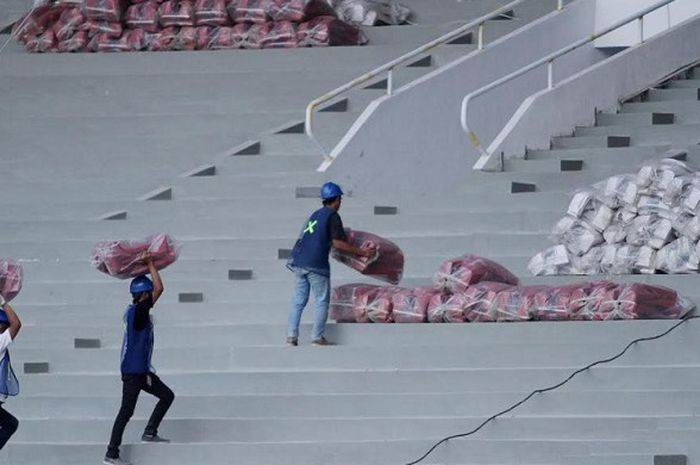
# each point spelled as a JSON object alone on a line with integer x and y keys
{"x": 9, "y": 386}
{"x": 314, "y": 244}
{"x": 137, "y": 346}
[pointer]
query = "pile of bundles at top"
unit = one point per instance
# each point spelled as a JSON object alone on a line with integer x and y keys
{"x": 632, "y": 223}
{"x": 122, "y": 259}
{"x": 164, "y": 25}
{"x": 474, "y": 289}
{"x": 11, "y": 276}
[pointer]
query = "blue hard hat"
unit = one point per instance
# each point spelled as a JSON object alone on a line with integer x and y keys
{"x": 140, "y": 284}
{"x": 3, "y": 318}
{"x": 330, "y": 190}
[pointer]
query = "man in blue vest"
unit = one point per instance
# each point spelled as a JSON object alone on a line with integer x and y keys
{"x": 137, "y": 373}
{"x": 9, "y": 386}
{"x": 309, "y": 262}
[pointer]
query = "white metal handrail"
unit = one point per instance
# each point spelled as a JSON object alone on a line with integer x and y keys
{"x": 479, "y": 23}
{"x": 549, "y": 61}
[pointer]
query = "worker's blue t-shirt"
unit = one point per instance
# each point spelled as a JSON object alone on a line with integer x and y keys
{"x": 137, "y": 346}
{"x": 314, "y": 244}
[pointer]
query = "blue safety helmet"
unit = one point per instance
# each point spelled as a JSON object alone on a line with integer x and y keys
{"x": 141, "y": 284}
{"x": 330, "y": 190}
{"x": 3, "y": 318}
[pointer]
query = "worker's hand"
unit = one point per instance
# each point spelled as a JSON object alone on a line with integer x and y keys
{"x": 368, "y": 252}
{"x": 146, "y": 257}
{"x": 2, "y": 301}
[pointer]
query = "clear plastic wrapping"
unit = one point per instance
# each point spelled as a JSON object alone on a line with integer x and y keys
{"x": 373, "y": 12}
{"x": 11, "y": 277}
{"x": 328, "y": 31}
{"x": 121, "y": 259}
{"x": 387, "y": 263}
{"x": 446, "y": 308}
{"x": 411, "y": 305}
{"x": 457, "y": 274}
{"x": 298, "y": 11}
{"x": 143, "y": 16}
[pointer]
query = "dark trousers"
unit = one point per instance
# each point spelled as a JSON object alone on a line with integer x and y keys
{"x": 8, "y": 426}
{"x": 132, "y": 385}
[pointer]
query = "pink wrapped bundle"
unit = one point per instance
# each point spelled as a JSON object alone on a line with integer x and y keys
{"x": 248, "y": 11}
{"x": 11, "y": 276}
{"x": 143, "y": 16}
{"x": 94, "y": 27}
{"x": 446, "y": 308}
{"x": 43, "y": 43}
{"x": 104, "y": 10}
{"x": 480, "y": 299}
{"x": 344, "y": 299}
{"x": 130, "y": 41}
{"x": 457, "y": 274}
{"x": 515, "y": 304}
{"x": 41, "y": 19}
{"x": 588, "y": 306}
{"x": 221, "y": 38}
{"x": 68, "y": 23}
{"x": 375, "y": 306}
{"x": 299, "y": 11}
{"x": 76, "y": 43}
{"x": 558, "y": 303}
{"x": 211, "y": 13}
{"x": 249, "y": 36}
{"x": 186, "y": 39}
{"x": 411, "y": 305}
{"x": 201, "y": 37}
{"x": 177, "y": 13}
{"x": 327, "y": 31}
{"x": 637, "y": 300}
{"x": 164, "y": 40}
{"x": 386, "y": 265}
{"x": 121, "y": 258}
{"x": 282, "y": 34}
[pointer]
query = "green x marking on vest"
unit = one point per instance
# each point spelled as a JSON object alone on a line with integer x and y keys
{"x": 310, "y": 227}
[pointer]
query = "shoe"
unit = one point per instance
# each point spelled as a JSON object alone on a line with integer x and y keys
{"x": 292, "y": 341}
{"x": 117, "y": 461}
{"x": 154, "y": 438}
{"x": 322, "y": 341}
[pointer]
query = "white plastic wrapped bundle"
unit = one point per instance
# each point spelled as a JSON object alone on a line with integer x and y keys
{"x": 646, "y": 261}
{"x": 577, "y": 236}
{"x": 618, "y": 191}
{"x": 615, "y": 234}
{"x": 580, "y": 202}
{"x": 599, "y": 216}
{"x": 649, "y": 230}
{"x": 549, "y": 261}
{"x": 588, "y": 263}
{"x": 679, "y": 256}
{"x": 652, "y": 204}
{"x": 687, "y": 226}
{"x": 658, "y": 175}
{"x": 372, "y": 12}
{"x": 691, "y": 200}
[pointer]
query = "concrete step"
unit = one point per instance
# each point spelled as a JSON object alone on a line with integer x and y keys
{"x": 668, "y": 133}
{"x": 617, "y": 141}
{"x": 624, "y": 156}
{"x": 673, "y": 94}
{"x": 630, "y": 119}
{"x": 685, "y": 112}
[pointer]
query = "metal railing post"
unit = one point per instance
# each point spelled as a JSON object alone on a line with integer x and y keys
{"x": 560, "y": 5}
{"x": 641, "y": 29}
{"x": 550, "y": 74}
{"x": 480, "y": 37}
{"x": 390, "y": 81}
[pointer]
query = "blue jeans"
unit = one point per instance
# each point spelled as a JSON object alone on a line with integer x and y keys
{"x": 305, "y": 280}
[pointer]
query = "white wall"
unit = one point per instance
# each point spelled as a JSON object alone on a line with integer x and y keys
{"x": 610, "y": 11}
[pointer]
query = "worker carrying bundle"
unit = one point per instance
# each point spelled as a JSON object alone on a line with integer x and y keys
{"x": 122, "y": 259}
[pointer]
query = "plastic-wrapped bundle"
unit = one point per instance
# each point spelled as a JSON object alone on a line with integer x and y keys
{"x": 619, "y": 259}
{"x": 36, "y": 22}
{"x": 68, "y": 23}
{"x": 581, "y": 201}
{"x": 344, "y": 302}
{"x": 654, "y": 205}
{"x": 687, "y": 226}
{"x": 143, "y": 16}
{"x": 328, "y": 31}
{"x": 559, "y": 303}
{"x": 211, "y": 13}
{"x": 176, "y": 13}
{"x": 76, "y": 43}
{"x": 130, "y": 41}
{"x": 221, "y": 38}
{"x": 446, "y": 308}
{"x": 588, "y": 307}
{"x": 249, "y": 11}
{"x": 480, "y": 300}
{"x": 249, "y": 36}
{"x": 164, "y": 40}
{"x": 577, "y": 236}
{"x": 411, "y": 305}
{"x": 45, "y": 42}
{"x": 691, "y": 199}
{"x": 94, "y": 27}
{"x": 186, "y": 39}
{"x": 386, "y": 265}
{"x": 110, "y": 11}
{"x": 599, "y": 216}
{"x": 646, "y": 260}
{"x": 11, "y": 277}
{"x": 457, "y": 274}
{"x": 649, "y": 230}
{"x": 375, "y": 306}
{"x": 551, "y": 261}
{"x": 202, "y": 35}
{"x": 298, "y": 11}
{"x": 515, "y": 303}
{"x": 658, "y": 175}
{"x": 121, "y": 258}
{"x": 678, "y": 256}
{"x": 282, "y": 34}
{"x": 644, "y": 301}
{"x": 588, "y": 263}
{"x": 373, "y": 12}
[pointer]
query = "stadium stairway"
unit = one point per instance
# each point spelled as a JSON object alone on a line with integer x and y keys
{"x": 112, "y": 146}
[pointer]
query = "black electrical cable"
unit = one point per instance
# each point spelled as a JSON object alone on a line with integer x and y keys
{"x": 551, "y": 388}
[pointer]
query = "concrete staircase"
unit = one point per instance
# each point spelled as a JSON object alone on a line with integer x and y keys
{"x": 110, "y": 146}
